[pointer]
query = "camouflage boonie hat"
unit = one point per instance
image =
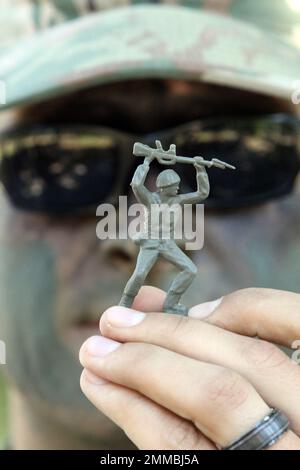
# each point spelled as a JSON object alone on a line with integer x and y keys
{"x": 53, "y": 47}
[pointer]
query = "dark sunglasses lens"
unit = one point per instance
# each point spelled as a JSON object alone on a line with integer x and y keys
{"x": 263, "y": 151}
{"x": 58, "y": 172}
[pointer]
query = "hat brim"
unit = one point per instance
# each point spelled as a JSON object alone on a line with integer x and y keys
{"x": 148, "y": 41}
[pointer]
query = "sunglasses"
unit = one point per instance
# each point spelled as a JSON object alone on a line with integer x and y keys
{"x": 65, "y": 169}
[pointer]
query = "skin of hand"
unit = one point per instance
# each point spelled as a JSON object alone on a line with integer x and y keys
{"x": 56, "y": 277}
{"x": 200, "y": 382}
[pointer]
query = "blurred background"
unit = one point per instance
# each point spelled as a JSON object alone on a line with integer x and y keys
{"x": 3, "y": 420}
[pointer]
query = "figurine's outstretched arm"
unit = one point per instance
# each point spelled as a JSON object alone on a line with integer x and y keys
{"x": 202, "y": 188}
{"x": 143, "y": 195}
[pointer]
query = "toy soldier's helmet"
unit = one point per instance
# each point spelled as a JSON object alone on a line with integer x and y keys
{"x": 57, "y": 47}
{"x": 167, "y": 178}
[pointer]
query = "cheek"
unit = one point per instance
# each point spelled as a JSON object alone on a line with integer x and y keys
{"x": 28, "y": 293}
{"x": 27, "y": 287}
{"x": 28, "y": 297}
{"x": 27, "y": 265}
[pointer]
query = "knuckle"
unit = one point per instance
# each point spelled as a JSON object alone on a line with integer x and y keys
{"x": 181, "y": 435}
{"x": 227, "y": 390}
{"x": 262, "y": 354}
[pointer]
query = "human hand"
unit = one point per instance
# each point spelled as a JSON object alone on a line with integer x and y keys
{"x": 197, "y": 384}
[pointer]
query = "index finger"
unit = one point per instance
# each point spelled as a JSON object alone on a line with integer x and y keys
{"x": 270, "y": 314}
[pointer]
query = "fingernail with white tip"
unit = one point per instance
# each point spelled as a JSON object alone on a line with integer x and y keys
{"x": 99, "y": 346}
{"x": 204, "y": 310}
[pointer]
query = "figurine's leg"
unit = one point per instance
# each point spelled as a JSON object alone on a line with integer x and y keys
{"x": 182, "y": 281}
{"x": 144, "y": 263}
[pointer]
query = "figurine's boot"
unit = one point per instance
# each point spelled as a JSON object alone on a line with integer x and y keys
{"x": 172, "y": 304}
{"x": 179, "y": 309}
{"x": 182, "y": 281}
{"x": 126, "y": 300}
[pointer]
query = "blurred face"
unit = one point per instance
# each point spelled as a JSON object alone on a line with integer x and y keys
{"x": 56, "y": 277}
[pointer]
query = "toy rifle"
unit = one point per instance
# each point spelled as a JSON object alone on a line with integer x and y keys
{"x": 169, "y": 157}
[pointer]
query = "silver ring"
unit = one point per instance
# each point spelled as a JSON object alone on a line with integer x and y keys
{"x": 264, "y": 434}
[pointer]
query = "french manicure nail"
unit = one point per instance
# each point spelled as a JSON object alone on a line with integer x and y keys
{"x": 99, "y": 346}
{"x": 123, "y": 317}
{"x": 204, "y": 310}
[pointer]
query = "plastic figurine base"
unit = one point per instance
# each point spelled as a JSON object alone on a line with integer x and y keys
{"x": 151, "y": 249}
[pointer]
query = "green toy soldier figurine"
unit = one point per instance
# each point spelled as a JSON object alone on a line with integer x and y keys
{"x": 151, "y": 249}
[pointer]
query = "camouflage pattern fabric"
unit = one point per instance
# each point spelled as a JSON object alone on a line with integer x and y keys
{"x": 53, "y": 47}
{"x": 24, "y": 17}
